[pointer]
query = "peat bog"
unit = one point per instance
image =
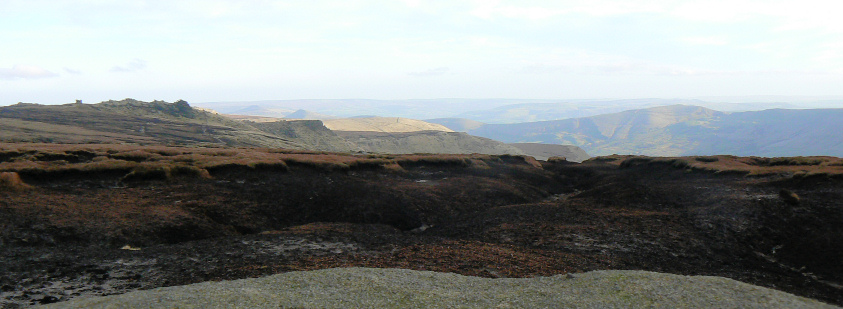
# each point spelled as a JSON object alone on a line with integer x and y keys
{"x": 82, "y": 220}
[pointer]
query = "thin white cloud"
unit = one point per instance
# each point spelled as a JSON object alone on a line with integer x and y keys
{"x": 133, "y": 66}
{"x": 25, "y": 72}
{"x": 431, "y": 72}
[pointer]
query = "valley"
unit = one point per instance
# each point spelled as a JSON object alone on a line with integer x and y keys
{"x": 120, "y": 196}
{"x": 161, "y": 123}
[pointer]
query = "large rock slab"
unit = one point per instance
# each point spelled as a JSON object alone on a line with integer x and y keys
{"x": 400, "y": 288}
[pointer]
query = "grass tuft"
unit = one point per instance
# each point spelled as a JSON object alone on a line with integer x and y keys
{"x": 557, "y": 160}
{"x": 189, "y": 171}
{"x": 434, "y": 160}
{"x": 635, "y": 161}
{"x": 147, "y": 172}
{"x": 11, "y": 181}
{"x": 135, "y": 156}
{"x": 789, "y": 197}
{"x": 707, "y": 159}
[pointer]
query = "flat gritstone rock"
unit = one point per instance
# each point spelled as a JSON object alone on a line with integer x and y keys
{"x": 400, "y": 288}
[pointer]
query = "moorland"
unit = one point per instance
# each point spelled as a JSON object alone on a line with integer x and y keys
{"x": 98, "y": 219}
{"x": 109, "y": 198}
{"x": 162, "y": 123}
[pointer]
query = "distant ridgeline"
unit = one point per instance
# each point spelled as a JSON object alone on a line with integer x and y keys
{"x": 679, "y": 130}
{"x": 158, "y": 122}
{"x": 675, "y": 130}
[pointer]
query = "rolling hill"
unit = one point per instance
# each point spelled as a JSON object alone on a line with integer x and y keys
{"x": 160, "y": 123}
{"x": 503, "y": 110}
{"x": 427, "y": 142}
{"x": 458, "y": 124}
{"x": 403, "y": 135}
{"x": 532, "y": 112}
{"x": 308, "y": 115}
{"x": 383, "y": 124}
{"x": 157, "y": 122}
{"x": 687, "y": 130}
{"x": 545, "y": 151}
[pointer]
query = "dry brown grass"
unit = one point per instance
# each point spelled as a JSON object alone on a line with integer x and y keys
{"x": 770, "y": 166}
{"x": 435, "y": 160}
{"x": 44, "y": 159}
{"x": 557, "y": 160}
{"x": 11, "y": 181}
{"x": 164, "y": 163}
{"x": 752, "y": 166}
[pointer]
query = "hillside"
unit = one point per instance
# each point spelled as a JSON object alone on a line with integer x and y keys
{"x": 90, "y": 220}
{"x": 534, "y": 112}
{"x": 413, "y": 109}
{"x": 158, "y": 122}
{"x": 426, "y": 142}
{"x": 258, "y": 110}
{"x": 402, "y": 136}
{"x": 686, "y": 130}
{"x": 500, "y": 111}
{"x": 777, "y": 132}
{"x": 308, "y": 115}
{"x": 457, "y": 124}
{"x": 162, "y": 123}
{"x": 545, "y": 151}
{"x": 383, "y": 124}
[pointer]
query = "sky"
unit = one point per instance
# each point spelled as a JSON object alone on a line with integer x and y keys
{"x": 216, "y": 50}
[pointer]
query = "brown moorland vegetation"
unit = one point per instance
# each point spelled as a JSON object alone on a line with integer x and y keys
{"x": 797, "y": 167}
{"x": 105, "y": 219}
{"x": 11, "y": 181}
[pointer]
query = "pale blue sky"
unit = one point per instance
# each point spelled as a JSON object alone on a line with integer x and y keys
{"x": 215, "y": 50}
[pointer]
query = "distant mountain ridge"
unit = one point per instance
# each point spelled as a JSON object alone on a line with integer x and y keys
{"x": 687, "y": 130}
{"x": 158, "y": 122}
{"x": 675, "y": 130}
{"x": 500, "y": 111}
{"x": 534, "y": 112}
{"x": 308, "y": 115}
